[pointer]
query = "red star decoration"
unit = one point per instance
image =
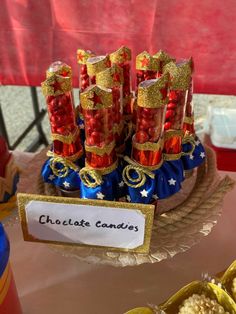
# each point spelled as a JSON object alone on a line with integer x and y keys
{"x": 116, "y": 77}
{"x": 56, "y": 86}
{"x": 124, "y": 55}
{"x": 65, "y": 73}
{"x": 80, "y": 56}
{"x": 144, "y": 62}
{"x": 96, "y": 99}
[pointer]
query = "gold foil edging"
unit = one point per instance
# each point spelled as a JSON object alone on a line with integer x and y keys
{"x": 87, "y": 98}
{"x": 163, "y": 57}
{"x": 83, "y": 56}
{"x": 62, "y": 70}
{"x": 147, "y": 210}
{"x": 110, "y": 77}
{"x": 56, "y": 85}
{"x": 67, "y": 139}
{"x": 149, "y": 145}
{"x": 149, "y": 92}
{"x": 121, "y": 55}
{"x": 103, "y": 171}
{"x": 106, "y": 149}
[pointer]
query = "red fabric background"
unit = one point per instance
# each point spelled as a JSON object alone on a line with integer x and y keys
{"x": 33, "y": 33}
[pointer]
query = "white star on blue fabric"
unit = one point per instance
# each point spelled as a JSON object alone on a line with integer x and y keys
{"x": 171, "y": 181}
{"x": 66, "y": 184}
{"x": 202, "y": 155}
{"x": 155, "y": 197}
{"x": 197, "y": 142}
{"x": 144, "y": 193}
{"x": 121, "y": 184}
{"x": 51, "y": 177}
{"x": 128, "y": 198}
{"x": 191, "y": 157}
{"x": 100, "y": 196}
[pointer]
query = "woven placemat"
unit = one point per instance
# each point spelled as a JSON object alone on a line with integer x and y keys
{"x": 191, "y": 215}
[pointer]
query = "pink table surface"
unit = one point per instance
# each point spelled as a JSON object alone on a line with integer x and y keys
{"x": 50, "y": 283}
{"x": 35, "y": 33}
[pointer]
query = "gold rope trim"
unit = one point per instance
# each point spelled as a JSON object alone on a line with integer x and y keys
{"x": 188, "y": 120}
{"x": 90, "y": 177}
{"x": 67, "y": 139}
{"x": 149, "y": 145}
{"x": 141, "y": 172}
{"x": 67, "y": 165}
{"x": 188, "y": 139}
{"x": 69, "y": 158}
{"x": 107, "y": 149}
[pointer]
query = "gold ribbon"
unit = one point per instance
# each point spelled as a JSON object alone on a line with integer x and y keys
{"x": 90, "y": 177}
{"x": 169, "y": 157}
{"x": 188, "y": 139}
{"x": 67, "y": 139}
{"x": 188, "y": 120}
{"x": 140, "y": 170}
{"x": 69, "y": 158}
{"x": 171, "y": 133}
{"x": 106, "y": 149}
{"x": 105, "y": 170}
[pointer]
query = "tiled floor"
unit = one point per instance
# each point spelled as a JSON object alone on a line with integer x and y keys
{"x": 18, "y": 112}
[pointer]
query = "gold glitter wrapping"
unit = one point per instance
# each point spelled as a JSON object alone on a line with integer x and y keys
{"x": 188, "y": 120}
{"x": 103, "y": 171}
{"x": 107, "y": 149}
{"x": 62, "y": 70}
{"x": 228, "y": 277}
{"x": 171, "y": 133}
{"x": 140, "y": 310}
{"x": 211, "y": 290}
{"x": 163, "y": 57}
{"x": 111, "y": 77}
{"x": 49, "y": 90}
{"x": 67, "y": 139}
{"x": 86, "y": 98}
{"x": 97, "y": 64}
{"x": 180, "y": 74}
{"x": 83, "y": 56}
{"x": 149, "y": 145}
{"x": 149, "y": 94}
{"x": 147, "y": 211}
{"x": 144, "y": 61}
{"x": 121, "y": 55}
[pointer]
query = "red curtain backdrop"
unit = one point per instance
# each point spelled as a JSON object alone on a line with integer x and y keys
{"x": 34, "y": 33}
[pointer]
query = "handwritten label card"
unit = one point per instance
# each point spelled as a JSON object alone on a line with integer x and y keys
{"x": 114, "y": 225}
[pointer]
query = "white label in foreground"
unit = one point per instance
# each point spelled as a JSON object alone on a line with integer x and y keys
{"x": 83, "y": 224}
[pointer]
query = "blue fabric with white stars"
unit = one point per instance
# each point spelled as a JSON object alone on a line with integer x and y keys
{"x": 196, "y": 158}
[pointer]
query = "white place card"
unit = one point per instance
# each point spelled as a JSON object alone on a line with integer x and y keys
{"x": 71, "y": 221}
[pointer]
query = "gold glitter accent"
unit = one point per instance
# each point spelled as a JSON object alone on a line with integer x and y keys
{"x": 86, "y": 98}
{"x": 149, "y": 145}
{"x": 59, "y": 68}
{"x": 67, "y": 139}
{"x": 188, "y": 120}
{"x": 110, "y": 77}
{"x": 70, "y": 158}
{"x": 97, "y": 64}
{"x": 90, "y": 177}
{"x": 149, "y": 92}
{"x": 121, "y": 55}
{"x": 210, "y": 290}
{"x": 144, "y": 61}
{"x": 83, "y": 56}
{"x": 147, "y": 211}
{"x": 64, "y": 82}
{"x": 107, "y": 149}
{"x": 163, "y": 57}
{"x": 105, "y": 170}
{"x": 180, "y": 74}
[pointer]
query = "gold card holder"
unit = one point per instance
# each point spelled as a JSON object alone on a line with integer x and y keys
{"x": 111, "y": 226}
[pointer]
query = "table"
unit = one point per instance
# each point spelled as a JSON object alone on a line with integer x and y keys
{"x": 50, "y": 283}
